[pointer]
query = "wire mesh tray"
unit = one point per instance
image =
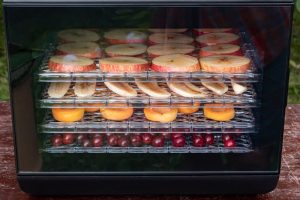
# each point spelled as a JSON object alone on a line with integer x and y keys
{"x": 106, "y": 98}
{"x": 196, "y": 122}
{"x": 252, "y": 75}
{"x": 243, "y": 145}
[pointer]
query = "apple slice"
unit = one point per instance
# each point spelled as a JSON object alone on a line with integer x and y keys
{"x": 167, "y": 49}
{"x": 175, "y": 63}
{"x": 186, "y": 89}
{"x": 218, "y": 38}
{"x": 159, "y": 38}
{"x": 225, "y": 64}
{"x": 78, "y": 35}
{"x": 125, "y": 36}
{"x": 238, "y": 88}
{"x": 85, "y": 88}
{"x": 123, "y": 64}
{"x": 152, "y": 89}
{"x": 167, "y": 30}
{"x": 84, "y": 49}
{"x": 71, "y": 63}
{"x": 215, "y": 85}
{"x": 126, "y": 50}
{"x": 220, "y": 49}
{"x": 122, "y": 89}
{"x": 200, "y": 31}
{"x": 58, "y": 90}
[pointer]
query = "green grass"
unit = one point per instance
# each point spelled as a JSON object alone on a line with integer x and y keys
{"x": 294, "y": 87}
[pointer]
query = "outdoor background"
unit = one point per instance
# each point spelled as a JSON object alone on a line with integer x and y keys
{"x": 294, "y": 86}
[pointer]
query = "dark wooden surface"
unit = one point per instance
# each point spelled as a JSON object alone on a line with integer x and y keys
{"x": 288, "y": 187}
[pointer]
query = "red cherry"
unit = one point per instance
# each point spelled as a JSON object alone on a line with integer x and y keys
{"x": 166, "y": 135}
{"x": 226, "y": 137}
{"x": 86, "y": 143}
{"x": 68, "y": 138}
{"x": 176, "y": 135}
{"x": 147, "y": 138}
{"x": 229, "y": 143}
{"x": 209, "y": 139}
{"x": 198, "y": 141}
{"x": 123, "y": 141}
{"x": 158, "y": 141}
{"x": 112, "y": 140}
{"x": 56, "y": 140}
{"x": 97, "y": 141}
{"x": 136, "y": 140}
{"x": 80, "y": 137}
{"x": 178, "y": 142}
{"x": 96, "y": 135}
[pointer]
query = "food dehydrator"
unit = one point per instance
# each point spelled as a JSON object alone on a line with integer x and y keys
{"x": 148, "y": 97}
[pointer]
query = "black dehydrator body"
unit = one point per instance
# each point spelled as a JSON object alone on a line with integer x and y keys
{"x": 96, "y": 155}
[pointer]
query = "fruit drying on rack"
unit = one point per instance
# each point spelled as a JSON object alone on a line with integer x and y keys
{"x": 71, "y": 63}
{"x": 120, "y": 112}
{"x": 219, "y": 112}
{"x": 152, "y": 89}
{"x": 123, "y": 64}
{"x": 175, "y": 63}
{"x": 186, "y": 89}
{"x": 220, "y": 49}
{"x": 125, "y": 36}
{"x": 167, "y": 49}
{"x": 218, "y": 38}
{"x": 121, "y": 88}
{"x": 58, "y": 89}
{"x": 78, "y": 35}
{"x": 84, "y": 49}
{"x": 161, "y": 113}
{"x": 225, "y": 64}
{"x": 126, "y": 50}
{"x": 215, "y": 85}
{"x": 200, "y": 31}
{"x": 91, "y": 107}
{"x": 85, "y": 89}
{"x": 187, "y": 108}
{"x": 67, "y": 114}
{"x": 238, "y": 87}
{"x": 177, "y": 38}
{"x": 167, "y": 30}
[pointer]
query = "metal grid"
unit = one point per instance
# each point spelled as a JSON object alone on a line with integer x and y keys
{"x": 252, "y": 75}
{"x": 104, "y": 96}
{"x": 93, "y": 123}
{"x": 243, "y": 145}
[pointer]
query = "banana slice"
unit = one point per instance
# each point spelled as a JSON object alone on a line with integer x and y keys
{"x": 152, "y": 89}
{"x": 238, "y": 88}
{"x": 85, "y": 89}
{"x": 58, "y": 90}
{"x": 186, "y": 89}
{"x": 215, "y": 85}
{"x": 122, "y": 89}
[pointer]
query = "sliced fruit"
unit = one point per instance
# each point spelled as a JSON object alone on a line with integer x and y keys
{"x": 78, "y": 35}
{"x": 217, "y": 38}
{"x": 152, "y": 89}
{"x": 84, "y": 49}
{"x": 167, "y": 49}
{"x": 71, "y": 63}
{"x": 220, "y": 49}
{"x": 126, "y": 50}
{"x": 159, "y": 38}
{"x": 219, "y": 112}
{"x": 161, "y": 114}
{"x": 58, "y": 90}
{"x": 185, "y": 89}
{"x": 120, "y": 113}
{"x": 225, "y": 64}
{"x": 187, "y": 108}
{"x": 85, "y": 89}
{"x": 215, "y": 85}
{"x": 91, "y": 107}
{"x": 175, "y": 63}
{"x": 123, "y": 64}
{"x": 200, "y": 31}
{"x": 168, "y": 30}
{"x": 125, "y": 36}
{"x": 67, "y": 114}
{"x": 238, "y": 88}
{"x": 121, "y": 88}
